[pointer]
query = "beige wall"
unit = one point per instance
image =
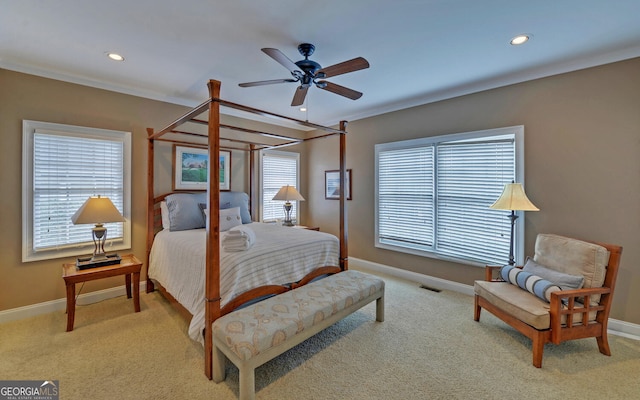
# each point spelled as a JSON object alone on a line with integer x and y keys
{"x": 582, "y": 166}
{"x": 29, "y": 97}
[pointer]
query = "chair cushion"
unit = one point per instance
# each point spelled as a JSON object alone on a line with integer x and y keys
{"x": 515, "y": 301}
{"x": 574, "y": 257}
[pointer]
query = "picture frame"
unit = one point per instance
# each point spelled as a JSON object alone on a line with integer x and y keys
{"x": 332, "y": 185}
{"x": 190, "y": 168}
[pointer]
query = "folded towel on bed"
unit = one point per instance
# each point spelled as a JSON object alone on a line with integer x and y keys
{"x": 239, "y": 238}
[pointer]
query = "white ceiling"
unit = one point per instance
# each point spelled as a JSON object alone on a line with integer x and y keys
{"x": 420, "y": 51}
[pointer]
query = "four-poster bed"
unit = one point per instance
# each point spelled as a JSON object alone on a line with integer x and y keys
{"x": 187, "y": 130}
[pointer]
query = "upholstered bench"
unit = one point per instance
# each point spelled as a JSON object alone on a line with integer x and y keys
{"x": 253, "y": 335}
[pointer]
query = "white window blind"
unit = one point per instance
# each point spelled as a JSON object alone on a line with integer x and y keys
{"x": 433, "y": 195}
{"x": 279, "y": 168}
{"x": 405, "y": 197}
{"x": 471, "y": 176}
{"x": 64, "y": 166}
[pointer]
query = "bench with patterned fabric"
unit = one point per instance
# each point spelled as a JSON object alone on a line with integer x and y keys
{"x": 253, "y": 335}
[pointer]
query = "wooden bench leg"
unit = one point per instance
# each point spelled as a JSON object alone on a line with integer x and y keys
{"x": 380, "y": 309}
{"x": 247, "y": 383}
{"x": 476, "y": 309}
{"x": 219, "y": 373}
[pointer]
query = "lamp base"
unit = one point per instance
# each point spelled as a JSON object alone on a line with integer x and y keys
{"x": 89, "y": 262}
{"x": 287, "y": 214}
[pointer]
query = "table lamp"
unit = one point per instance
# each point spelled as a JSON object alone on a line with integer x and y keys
{"x": 98, "y": 210}
{"x": 288, "y": 194}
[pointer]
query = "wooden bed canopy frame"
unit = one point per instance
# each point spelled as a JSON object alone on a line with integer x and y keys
{"x": 213, "y": 310}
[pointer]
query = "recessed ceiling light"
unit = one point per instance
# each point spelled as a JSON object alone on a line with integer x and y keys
{"x": 520, "y": 39}
{"x": 115, "y": 56}
{"x": 303, "y": 109}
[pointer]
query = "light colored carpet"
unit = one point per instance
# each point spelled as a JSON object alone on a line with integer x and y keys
{"x": 429, "y": 347}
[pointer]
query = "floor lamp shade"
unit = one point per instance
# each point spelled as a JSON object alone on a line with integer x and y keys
{"x": 513, "y": 198}
{"x": 97, "y": 210}
{"x": 288, "y": 194}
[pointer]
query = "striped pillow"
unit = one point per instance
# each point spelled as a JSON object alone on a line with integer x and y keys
{"x": 528, "y": 281}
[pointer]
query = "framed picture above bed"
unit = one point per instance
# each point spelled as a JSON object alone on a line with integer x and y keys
{"x": 190, "y": 167}
{"x": 332, "y": 185}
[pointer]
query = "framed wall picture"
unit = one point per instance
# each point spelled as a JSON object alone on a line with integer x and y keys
{"x": 190, "y": 167}
{"x": 332, "y": 185}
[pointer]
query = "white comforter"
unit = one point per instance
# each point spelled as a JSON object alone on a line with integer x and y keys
{"x": 279, "y": 255}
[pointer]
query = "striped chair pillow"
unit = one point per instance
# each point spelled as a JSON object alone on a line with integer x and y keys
{"x": 530, "y": 282}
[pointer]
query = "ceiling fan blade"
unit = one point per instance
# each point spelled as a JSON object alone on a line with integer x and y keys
{"x": 356, "y": 64}
{"x": 281, "y": 58}
{"x": 299, "y": 96}
{"x": 269, "y": 82}
{"x": 341, "y": 90}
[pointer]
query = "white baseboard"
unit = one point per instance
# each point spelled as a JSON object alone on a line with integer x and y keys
{"x": 61, "y": 304}
{"x": 616, "y": 327}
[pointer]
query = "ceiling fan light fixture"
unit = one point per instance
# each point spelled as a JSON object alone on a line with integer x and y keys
{"x": 520, "y": 39}
{"x": 115, "y": 56}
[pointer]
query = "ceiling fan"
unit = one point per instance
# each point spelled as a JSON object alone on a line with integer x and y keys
{"x": 309, "y": 72}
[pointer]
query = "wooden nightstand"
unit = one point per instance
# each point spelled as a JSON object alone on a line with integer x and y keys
{"x": 129, "y": 265}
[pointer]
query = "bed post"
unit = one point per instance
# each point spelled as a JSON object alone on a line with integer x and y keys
{"x": 212, "y": 271}
{"x": 252, "y": 177}
{"x": 344, "y": 224}
{"x": 150, "y": 194}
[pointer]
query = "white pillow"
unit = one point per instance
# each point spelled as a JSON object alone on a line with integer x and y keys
{"x": 164, "y": 213}
{"x": 229, "y": 218}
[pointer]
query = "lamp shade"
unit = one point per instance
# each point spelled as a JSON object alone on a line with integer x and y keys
{"x": 513, "y": 198}
{"x": 97, "y": 210}
{"x": 288, "y": 193}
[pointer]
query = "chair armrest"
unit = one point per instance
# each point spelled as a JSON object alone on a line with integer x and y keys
{"x": 489, "y": 272}
{"x": 565, "y": 302}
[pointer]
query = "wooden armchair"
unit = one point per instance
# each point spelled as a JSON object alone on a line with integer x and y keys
{"x": 569, "y": 314}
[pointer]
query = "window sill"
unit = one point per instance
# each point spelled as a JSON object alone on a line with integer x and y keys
{"x": 430, "y": 254}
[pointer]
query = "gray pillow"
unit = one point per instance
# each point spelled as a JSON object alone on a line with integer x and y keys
{"x": 237, "y": 199}
{"x": 565, "y": 281}
{"x": 184, "y": 211}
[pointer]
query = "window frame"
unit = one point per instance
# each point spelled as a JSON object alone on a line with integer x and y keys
{"x": 29, "y": 129}
{"x": 518, "y": 136}
{"x": 295, "y": 213}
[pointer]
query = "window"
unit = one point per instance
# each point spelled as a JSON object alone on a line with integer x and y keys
{"x": 62, "y": 167}
{"x": 433, "y": 195}
{"x": 279, "y": 168}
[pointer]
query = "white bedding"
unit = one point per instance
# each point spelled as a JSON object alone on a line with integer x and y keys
{"x": 279, "y": 255}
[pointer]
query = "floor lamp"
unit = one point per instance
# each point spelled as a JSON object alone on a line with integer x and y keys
{"x": 513, "y": 198}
